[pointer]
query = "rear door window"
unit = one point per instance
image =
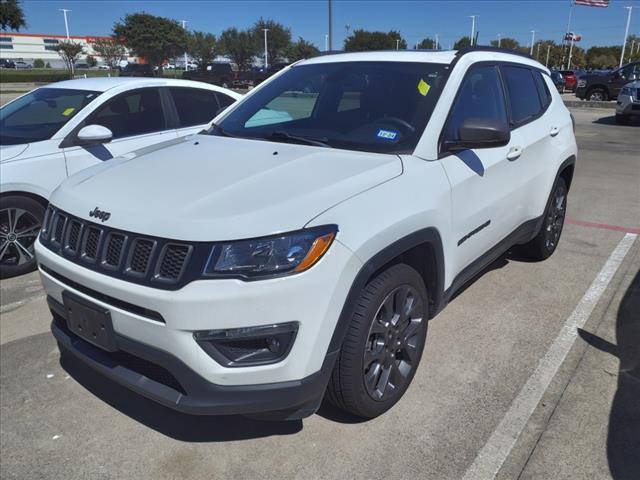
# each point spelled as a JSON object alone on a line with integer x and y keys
{"x": 522, "y": 93}
{"x": 194, "y": 106}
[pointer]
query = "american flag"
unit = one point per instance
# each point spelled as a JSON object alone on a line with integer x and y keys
{"x": 592, "y": 3}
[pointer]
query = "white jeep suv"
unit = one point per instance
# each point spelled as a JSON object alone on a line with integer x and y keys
{"x": 300, "y": 246}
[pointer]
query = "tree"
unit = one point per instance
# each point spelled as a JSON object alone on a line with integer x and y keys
{"x": 202, "y": 46}
{"x": 153, "y": 38}
{"x": 91, "y": 61}
{"x": 364, "y": 40}
{"x": 301, "y": 49}
{"x": 426, "y": 44}
{"x": 506, "y": 42}
{"x": 11, "y": 15}
{"x": 278, "y": 39}
{"x": 239, "y": 45}
{"x": 110, "y": 50}
{"x": 461, "y": 43}
{"x": 69, "y": 52}
{"x": 38, "y": 63}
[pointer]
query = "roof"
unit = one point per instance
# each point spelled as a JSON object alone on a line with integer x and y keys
{"x": 426, "y": 56}
{"x": 102, "y": 84}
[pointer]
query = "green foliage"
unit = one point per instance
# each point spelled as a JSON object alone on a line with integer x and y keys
{"x": 91, "y": 61}
{"x": 153, "y": 38}
{"x": 202, "y": 46}
{"x": 301, "y": 49}
{"x": 426, "y": 44}
{"x": 11, "y": 15}
{"x": 278, "y": 39}
{"x": 48, "y": 65}
{"x": 364, "y": 40}
{"x": 38, "y": 63}
{"x": 239, "y": 45}
{"x": 69, "y": 52}
{"x": 461, "y": 43}
{"x": 508, "y": 43}
{"x": 110, "y": 49}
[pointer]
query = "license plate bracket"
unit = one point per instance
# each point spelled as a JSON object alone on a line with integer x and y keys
{"x": 89, "y": 321}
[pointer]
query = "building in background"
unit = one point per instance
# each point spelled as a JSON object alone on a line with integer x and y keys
{"x": 31, "y": 46}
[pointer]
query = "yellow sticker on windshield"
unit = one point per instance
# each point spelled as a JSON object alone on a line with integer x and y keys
{"x": 68, "y": 111}
{"x": 423, "y": 87}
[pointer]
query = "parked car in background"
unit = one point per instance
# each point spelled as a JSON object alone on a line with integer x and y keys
{"x": 60, "y": 129}
{"x": 136, "y": 70}
{"x": 222, "y": 74}
{"x": 104, "y": 67}
{"x": 20, "y": 65}
{"x": 571, "y": 78}
{"x": 558, "y": 81}
{"x": 603, "y": 87}
{"x": 628, "y": 102}
{"x": 82, "y": 66}
{"x": 6, "y": 63}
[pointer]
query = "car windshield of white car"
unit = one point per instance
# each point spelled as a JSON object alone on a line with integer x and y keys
{"x": 369, "y": 106}
{"x": 39, "y": 114}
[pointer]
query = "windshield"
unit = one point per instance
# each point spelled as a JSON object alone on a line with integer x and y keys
{"x": 41, "y": 113}
{"x": 369, "y": 106}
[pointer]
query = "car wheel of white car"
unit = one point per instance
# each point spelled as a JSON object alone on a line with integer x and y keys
{"x": 20, "y": 222}
{"x": 383, "y": 345}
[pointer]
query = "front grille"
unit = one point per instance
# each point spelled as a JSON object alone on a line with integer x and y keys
{"x": 152, "y": 261}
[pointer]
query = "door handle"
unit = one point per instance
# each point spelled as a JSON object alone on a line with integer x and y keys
{"x": 514, "y": 153}
{"x": 554, "y": 131}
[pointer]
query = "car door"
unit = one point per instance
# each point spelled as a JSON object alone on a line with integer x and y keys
{"x": 136, "y": 118}
{"x": 196, "y": 107}
{"x": 486, "y": 204}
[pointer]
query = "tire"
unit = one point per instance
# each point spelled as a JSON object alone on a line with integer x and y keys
{"x": 20, "y": 221}
{"x": 381, "y": 343}
{"x": 597, "y": 95}
{"x": 622, "y": 119}
{"x": 546, "y": 241}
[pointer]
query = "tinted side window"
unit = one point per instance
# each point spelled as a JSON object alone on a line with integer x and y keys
{"x": 134, "y": 113}
{"x": 194, "y": 106}
{"x": 480, "y": 96}
{"x": 523, "y": 94}
{"x": 543, "y": 89}
{"x": 224, "y": 100}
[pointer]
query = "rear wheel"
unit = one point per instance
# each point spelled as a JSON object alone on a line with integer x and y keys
{"x": 597, "y": 95}
{"x": 383, "y": 345}
{"x": 546, "y": 242}
{"x": 20, "y": 222}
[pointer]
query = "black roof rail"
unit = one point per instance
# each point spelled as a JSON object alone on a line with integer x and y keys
{"x": 486, "y": 48}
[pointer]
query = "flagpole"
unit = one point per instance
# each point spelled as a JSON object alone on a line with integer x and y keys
{"x": 564, "y": 39}
{"x": 626, "y": 34}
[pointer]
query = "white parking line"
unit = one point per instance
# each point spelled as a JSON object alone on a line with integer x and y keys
{"x": 493, "y": 454}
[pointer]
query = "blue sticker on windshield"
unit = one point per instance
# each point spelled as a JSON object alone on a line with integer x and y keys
{"x": 387, "y": 134}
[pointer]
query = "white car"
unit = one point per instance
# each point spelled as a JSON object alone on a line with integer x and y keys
{"x": 254, "y": 267}
{"x": 57, "y": 130}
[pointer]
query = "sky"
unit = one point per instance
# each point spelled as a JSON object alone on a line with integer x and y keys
{"x": 309, "y": 19}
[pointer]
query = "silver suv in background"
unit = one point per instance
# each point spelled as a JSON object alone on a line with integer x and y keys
{"x": 628, "y": 103}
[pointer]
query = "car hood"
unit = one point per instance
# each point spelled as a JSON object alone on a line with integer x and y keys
{"x": 9, "y": 152}
{"x": 209, "y": 188}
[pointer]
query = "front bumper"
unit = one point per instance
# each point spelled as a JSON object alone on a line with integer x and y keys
{"x": 581, "y": 92}
{"x": 627, "y": 105}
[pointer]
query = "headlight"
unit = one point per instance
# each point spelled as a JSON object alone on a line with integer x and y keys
{"x": 582, "y": 83}
{"x": 286, "y": 253}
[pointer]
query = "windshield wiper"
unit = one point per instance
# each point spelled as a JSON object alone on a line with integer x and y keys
{"x": 282, "y": 135}
{"x": 220, "y": 130}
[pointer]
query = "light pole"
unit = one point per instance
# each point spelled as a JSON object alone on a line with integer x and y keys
{"x": 397, "y": 43}
{"x": 546, "y": 63}
{"x": 266, "y": 65}
{"x": 326, "y": 42}
{"x": 330, "y": 24}
{"x": 633, "y": 44}
{"x": 533, "y": 36}
{"x": 184, "y": 26}
{"x": 573, "y": 38}
{"x": 626, "y": 34}
{"x": 66, "y": 23}
{"x": 499, "y": 40}
{"x": 538, "y": 51}
{"x": 473, "y": 27}
{"x": 437, "y": 41}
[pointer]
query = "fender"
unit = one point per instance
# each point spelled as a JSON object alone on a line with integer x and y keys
{"x": 427, "y": 235}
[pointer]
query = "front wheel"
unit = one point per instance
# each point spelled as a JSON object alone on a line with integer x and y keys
{"x": 546, "y": 242}
{"x": 597, "y": 95}
{"x": 383, "y": 345}
{"x": 20, "y": 222}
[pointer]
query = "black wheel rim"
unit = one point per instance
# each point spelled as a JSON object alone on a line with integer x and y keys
{"x": 393, "y": 345}
{"x": 555, "y": 218}
{"x": 597, "y": 96}
{"x": 18, "y": 232}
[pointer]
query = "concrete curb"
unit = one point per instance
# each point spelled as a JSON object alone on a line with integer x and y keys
{"x": 589, "y": 104}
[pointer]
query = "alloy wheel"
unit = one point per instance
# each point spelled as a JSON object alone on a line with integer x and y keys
{"x": 18, "y": 232}
{"x": 393, "y": 344}
{"x": 555, "y": 218}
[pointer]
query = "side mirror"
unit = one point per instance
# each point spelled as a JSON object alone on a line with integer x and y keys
{"x": 94, "y": 134}
{"x": 480, "y": 133}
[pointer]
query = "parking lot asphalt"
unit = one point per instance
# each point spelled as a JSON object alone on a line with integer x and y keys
{"x": 62, "y": 421}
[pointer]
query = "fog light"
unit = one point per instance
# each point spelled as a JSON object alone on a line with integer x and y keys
{"x": 242, "y": 347}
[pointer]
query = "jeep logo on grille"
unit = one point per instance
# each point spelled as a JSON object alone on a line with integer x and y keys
{"x": 102, "y": 215}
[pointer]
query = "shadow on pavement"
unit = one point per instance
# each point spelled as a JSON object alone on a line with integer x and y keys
{"x": 180, "y": 426}
{"x": 611, "y": 120}
{"x": 623, "y": 441}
